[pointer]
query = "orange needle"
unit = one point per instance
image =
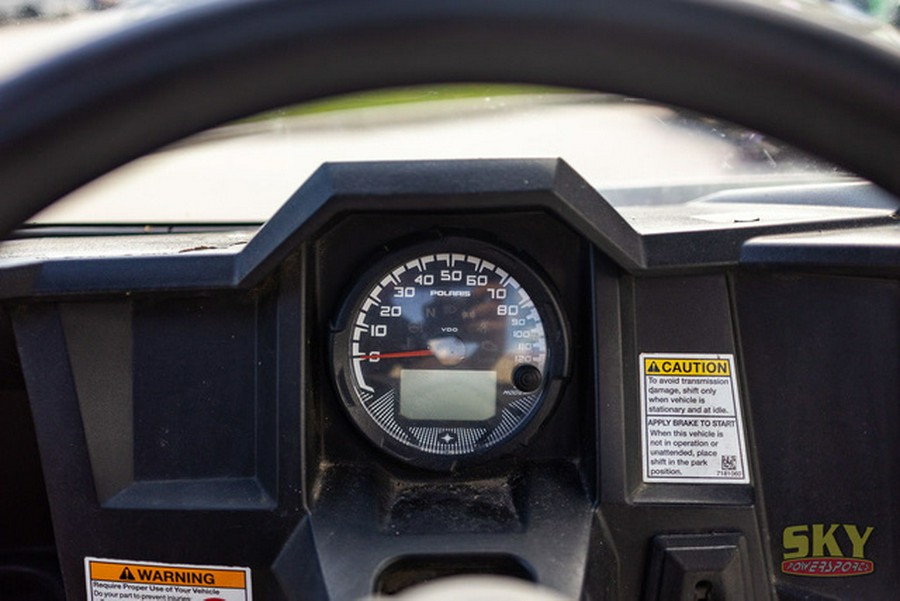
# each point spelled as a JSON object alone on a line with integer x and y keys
{"x": 399, "y": 355}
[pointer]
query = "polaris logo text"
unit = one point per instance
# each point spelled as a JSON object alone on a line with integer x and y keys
{"x": 826, "y": 550}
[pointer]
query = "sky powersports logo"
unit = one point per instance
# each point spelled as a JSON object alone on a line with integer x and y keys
{"x": 826, "y": 550}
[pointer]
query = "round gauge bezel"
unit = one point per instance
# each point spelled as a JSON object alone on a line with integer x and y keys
{"x": 556, "y": 336}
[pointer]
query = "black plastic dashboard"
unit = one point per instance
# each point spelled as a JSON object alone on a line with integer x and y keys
{"x": 186, "y": 411}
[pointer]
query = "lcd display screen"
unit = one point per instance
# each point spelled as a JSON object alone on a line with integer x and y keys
{"x": 448, "y": 395}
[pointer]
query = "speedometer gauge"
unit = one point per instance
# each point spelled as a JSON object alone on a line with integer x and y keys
{"x": 445, "y": 352}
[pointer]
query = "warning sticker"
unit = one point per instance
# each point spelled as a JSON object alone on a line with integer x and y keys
{"x": 692, "y": 430}
{"x": 120, "y": 580}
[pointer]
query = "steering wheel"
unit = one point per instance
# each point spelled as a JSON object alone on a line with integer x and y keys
{"x": 815, "y": 84}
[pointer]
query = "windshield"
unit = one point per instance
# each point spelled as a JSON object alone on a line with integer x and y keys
{"x": 632, "y": 151}
{"x": 635, "y": 152}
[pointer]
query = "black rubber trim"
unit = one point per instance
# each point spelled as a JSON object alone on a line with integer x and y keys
{"x": 859, "y": 251}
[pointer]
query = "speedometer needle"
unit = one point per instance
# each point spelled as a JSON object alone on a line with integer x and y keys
{"x": 400, "y": 355}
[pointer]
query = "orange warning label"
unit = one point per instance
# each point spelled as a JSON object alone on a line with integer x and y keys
{"x": 139, "y": 573}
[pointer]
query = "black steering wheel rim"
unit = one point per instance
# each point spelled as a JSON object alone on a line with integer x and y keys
{"x": 826, "y": 91}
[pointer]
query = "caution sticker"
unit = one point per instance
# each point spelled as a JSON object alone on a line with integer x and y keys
{"x": 692, "y": 430}
{"x": 121, "y": 580}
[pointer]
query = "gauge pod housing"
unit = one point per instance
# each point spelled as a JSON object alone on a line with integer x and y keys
{"x": 449, "y": 353}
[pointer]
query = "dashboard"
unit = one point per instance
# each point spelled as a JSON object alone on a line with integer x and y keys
{"x": 421, "y": 369}
{"x": 424, "y": 369}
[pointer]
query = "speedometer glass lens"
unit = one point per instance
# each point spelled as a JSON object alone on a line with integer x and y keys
{"x": 447, "y": 351}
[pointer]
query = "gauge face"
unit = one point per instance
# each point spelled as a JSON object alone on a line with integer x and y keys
{"x": 445, "y": 352}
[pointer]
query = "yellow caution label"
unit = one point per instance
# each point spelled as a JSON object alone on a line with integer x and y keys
{"x": 145, "y": 573}
{"x": 674, "y": 366}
